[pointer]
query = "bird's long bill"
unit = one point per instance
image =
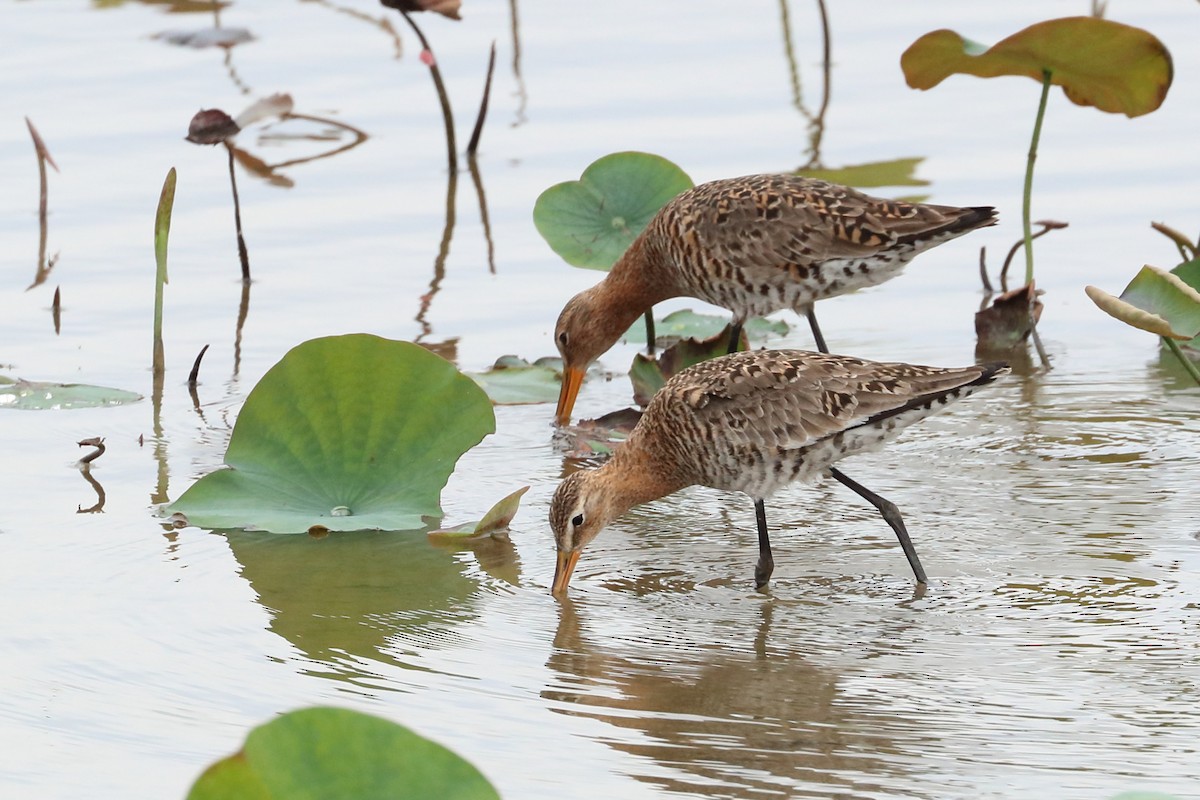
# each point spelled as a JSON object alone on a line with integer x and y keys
{"x": 572, "y": 380}
{"x": 563, "y": 569}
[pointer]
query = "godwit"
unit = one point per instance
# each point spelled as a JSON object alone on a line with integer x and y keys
{"x": 754, "y": 245}
{"x": 754, "y": 422}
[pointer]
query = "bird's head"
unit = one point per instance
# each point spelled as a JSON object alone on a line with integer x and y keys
{"x": 582, "y": 334}
{"x": 581, "y": 508}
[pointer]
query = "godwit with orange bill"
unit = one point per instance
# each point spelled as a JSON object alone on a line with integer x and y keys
{"x": 754, "y": 422}
{"x": 754, "y": 245}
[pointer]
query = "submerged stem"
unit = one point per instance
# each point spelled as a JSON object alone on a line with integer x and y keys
{"x": 1183, "y": 359}
{"x": 1028, "y": 196}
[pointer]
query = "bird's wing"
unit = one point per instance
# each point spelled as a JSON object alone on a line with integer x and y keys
{"x": 791, "y": 398}
{"x": 788, "y": 222}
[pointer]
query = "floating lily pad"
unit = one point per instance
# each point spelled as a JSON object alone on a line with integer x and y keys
{"x": 497, "y": 519}
{"x": 897, "y": 172}
{"x": 648, "y": 374}
{"x": 1156, "y": 301}
{"x": 592, "y": 221}
{"x": 685, "y": 323}
{"x": 317, "y": 753}
{"x": 1097, "y": 62}
{"x": 514, "y": 381}
{"x": 348, "y": 432}
{"x": 47, "y": 396}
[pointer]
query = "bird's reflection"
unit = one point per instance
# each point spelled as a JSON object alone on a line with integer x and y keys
{"x": 756, "y": 720}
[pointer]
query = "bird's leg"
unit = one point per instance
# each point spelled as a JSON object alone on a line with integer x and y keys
{"x": 735, "y": 336}
{"x": 816, "y": 331}
{"x": 891, "y": 515}
{"x": 766, "y": 562}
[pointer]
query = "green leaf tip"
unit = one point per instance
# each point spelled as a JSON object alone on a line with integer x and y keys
{"x": 348, "y": 433}
{"x": 498, "y": 518}
{"x": 590, "y": 222}
{"x": 1113, "y": 67}
{"x": 324, "y": 752}
{"x": 162, "y": 223}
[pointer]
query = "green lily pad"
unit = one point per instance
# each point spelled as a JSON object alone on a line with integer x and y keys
{"x": 1189, "y": 273}
{"x": 317, "y": 753}
{"x": 592, "y": 221}
{"x": 648, "y": 374}
{"x": 1156, "y": 301}
{"x": 514, "y": 381}
{"x": 1097, "y": 62}
{"x": 497, "y": 519}
{"x": 685, "y": 323}
{"x": 897, "y": 172}
{"x": 347, "y": 432}
{"x": 47, "y": 396}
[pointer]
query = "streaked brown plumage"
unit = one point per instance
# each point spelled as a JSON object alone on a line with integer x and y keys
{"x": 754, "y": 245}
{"x": 754, "y": 422}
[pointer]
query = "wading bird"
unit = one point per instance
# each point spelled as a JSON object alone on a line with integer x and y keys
{"x": 754, "y": 422}
{"x": 754, "y": 245}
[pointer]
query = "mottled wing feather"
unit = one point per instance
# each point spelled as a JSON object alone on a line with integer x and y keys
{"x": 789, "y": 399}
{"x": 786, "y": 220}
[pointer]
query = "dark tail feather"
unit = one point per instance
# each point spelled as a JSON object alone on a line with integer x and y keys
{"x": 968, "y": 219}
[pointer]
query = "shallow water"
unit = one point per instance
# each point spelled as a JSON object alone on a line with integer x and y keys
{"x": 1053, "y": 654}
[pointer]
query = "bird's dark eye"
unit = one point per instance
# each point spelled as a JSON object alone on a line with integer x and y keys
{"x": 577, "y": 520}
{"x": 562, "y": 338}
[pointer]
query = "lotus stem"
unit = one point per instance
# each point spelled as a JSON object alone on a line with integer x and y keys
{"x": 243, "y": 254}
{"x": 1188, "y": 364}
{"x": 473, "y": 144}
{"x": 443, "y": 97}
{"x": 1027, "y": 200}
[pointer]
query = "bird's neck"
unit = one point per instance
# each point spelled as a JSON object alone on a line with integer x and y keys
{"x": 640, "y": 278}
{"x": 639, "y": 476}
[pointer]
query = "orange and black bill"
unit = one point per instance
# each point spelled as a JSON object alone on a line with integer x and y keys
{"x": 572, "y": 380}
{"x": 563, "y": 569}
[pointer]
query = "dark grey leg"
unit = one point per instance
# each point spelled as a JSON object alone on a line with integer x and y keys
{"x": 891, "y": 515}
{"x": 816, "y": 331}
{"x": 735, "y": 337}
{"x": 766, "y": 562}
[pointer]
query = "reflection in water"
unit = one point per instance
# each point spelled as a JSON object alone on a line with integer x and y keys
{"x": 439, "y": 262}
{"x": 816, "y": 122}
{"x": 160, "y": 494}
{"x": 521, "y": 95}
{"x": 85, "y": 469}
{"x": 341, "y": 600}
{"x": 243, "y": 312}
{"x": 728, "y": 719}
{"x": 270, "y": 172}
{"x": 473, "y": 166}
{"x": 381, "y": 22}
{"x": 56, "y": 310}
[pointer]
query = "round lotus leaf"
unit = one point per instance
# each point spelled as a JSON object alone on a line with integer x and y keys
{"x": 347, "y": 432}
{"x": 317, "y": 753}
{"x": 592, "y": 221}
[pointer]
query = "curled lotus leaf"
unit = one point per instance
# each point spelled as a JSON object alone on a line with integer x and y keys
{"x": 1156, "y": 301}
{"x": 1097, "y": 62}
